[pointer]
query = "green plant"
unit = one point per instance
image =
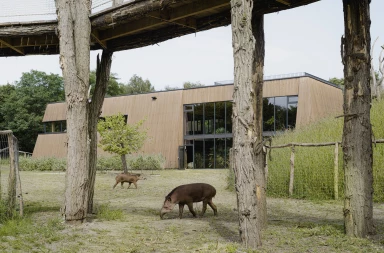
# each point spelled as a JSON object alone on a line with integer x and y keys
{"x": 104, "y": 212}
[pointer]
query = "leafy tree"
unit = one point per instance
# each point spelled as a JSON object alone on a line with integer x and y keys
{"x": 5, "y": 92}
{"x": 23, "y": 108}
{"x": 188, "y": 85}
{"x": 137, "y": 85}
{"x": 114, "y": 87}
{"x": 120, "y": 138}
{"x": 338, "y": 81}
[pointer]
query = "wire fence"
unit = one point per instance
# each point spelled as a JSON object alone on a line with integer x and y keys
{"x": 315, "y": 170}
{"x": 9, "y": 161}
{"x": 15, "y": 11}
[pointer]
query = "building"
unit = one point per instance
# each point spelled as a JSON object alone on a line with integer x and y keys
{"x": 194, "y": 126}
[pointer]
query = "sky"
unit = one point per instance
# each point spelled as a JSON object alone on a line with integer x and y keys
{"x": 304, "y": 39}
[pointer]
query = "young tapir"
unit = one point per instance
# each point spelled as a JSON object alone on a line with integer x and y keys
{"x": 188, "y": 194}
{"x": 128, "y": 178}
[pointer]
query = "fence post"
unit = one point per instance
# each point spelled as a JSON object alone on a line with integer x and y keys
{"x": 266, "y": 164}
{"x": 12, "y": 177}
{"x": 336, "y": 172}
{"x": 292, "y": 173}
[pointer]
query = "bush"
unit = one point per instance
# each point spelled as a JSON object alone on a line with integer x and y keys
{"x": 42, "y": 164}
{"x": 109, "y": 163}
{"x": 146, "y": 162}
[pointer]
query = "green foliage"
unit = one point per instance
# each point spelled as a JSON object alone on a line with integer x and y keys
{"x": 314, "y": 166}
{"x": 114, "y": 88}
{"x": 22, "y": 106}
{"x": 137, "y": 85}
{"x": 188, "y": 85}
{"x": 120, "y": 138}
{"x": 104, "y": 212}
{"x": 42, "y": 164}
{"x": 109, "y": 163}
{"x": 337, "y": 81}
{"x": 146, "y": 162}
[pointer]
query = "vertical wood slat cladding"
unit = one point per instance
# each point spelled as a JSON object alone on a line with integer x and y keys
{"x": 164, "y": 115}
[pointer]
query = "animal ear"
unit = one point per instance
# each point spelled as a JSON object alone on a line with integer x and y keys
{"x": 168, "y": 198}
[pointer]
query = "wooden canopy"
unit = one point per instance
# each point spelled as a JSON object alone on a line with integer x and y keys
{"x": 133, "y": 24}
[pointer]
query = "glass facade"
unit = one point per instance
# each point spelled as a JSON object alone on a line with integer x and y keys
{"x": 279, "y": 114}
{"x": 208, "y": 128}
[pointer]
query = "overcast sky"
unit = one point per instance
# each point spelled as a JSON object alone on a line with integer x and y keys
{"x": 305, "y": 39}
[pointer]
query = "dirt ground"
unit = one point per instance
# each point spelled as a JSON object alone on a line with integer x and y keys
{"x": 293, "y": 225}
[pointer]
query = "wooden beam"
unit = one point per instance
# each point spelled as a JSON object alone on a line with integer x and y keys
{"x": 95, "y": 36}
{"x": 4, "y": 41}
{"x": 284, "y": 2}
{"x": 162, "y": 17}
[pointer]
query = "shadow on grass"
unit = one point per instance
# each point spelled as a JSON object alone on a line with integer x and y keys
{"x": 36, "y": 207}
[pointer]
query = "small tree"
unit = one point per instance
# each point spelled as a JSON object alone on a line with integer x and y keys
{"x": 120, "y": 138}
{"x": 137, "y": 85}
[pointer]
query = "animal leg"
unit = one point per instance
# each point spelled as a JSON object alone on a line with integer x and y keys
{"x": 204, "y": 207}
{"x": 122, "y": 185}
{"x": 190, "y": 206}
{"x": 135, "y": 184}
{"x": 129, "y": 185}
{"x": 214, "y": 208}
{"x": 181, "y": 208}
{"x": 115, "y": 185}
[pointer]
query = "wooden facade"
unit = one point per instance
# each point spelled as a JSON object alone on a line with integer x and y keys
{"x": 164, "y": 113}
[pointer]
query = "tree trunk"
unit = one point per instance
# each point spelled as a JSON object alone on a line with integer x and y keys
{"x": 124, "y": 161}
{"x": 103, "y": 71}
{"x": 248, "y": 159}
{"x": 357, "y": 132}
{"x": 74, "y": 30}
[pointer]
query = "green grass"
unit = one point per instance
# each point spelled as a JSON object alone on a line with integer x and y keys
{"x": 314, "y": 166}
{"x": 104, "y": 212}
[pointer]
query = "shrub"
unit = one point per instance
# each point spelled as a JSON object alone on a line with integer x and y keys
{"x": 42, "y": 164}
{"x": 146, "y": 162}
{"x": 109, "y": 163}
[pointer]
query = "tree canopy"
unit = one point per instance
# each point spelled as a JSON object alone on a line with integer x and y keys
{"x": 120, "y": 138}
{"x": 23, "y": 104}
{"x": 137, "y": 85}
{"x": 186, "y": 85}
{"x": 114, "y": 88}
{"x": 337, "y": 81}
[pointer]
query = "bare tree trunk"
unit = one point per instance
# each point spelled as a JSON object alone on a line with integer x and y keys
{"x": 248, "y": 158}
{"x": 124, "y": 161}
{"x": 357, "y": 132}
{"x": 103, "y": 71}
{"x": 74, "y": 29}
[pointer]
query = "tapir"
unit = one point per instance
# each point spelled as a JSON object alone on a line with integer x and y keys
{"x": 128, "y": 178}
{"x": 188, "y": 194}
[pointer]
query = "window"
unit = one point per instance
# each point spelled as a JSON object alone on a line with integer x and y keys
{"x": 279, "y": 114}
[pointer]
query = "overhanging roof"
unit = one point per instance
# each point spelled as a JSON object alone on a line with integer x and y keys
{"x": 134, "y": 24}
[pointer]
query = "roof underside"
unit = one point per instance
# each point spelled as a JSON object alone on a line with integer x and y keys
{"x": 134, "y": 24}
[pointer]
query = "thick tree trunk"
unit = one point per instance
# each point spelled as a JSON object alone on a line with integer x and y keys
{"x": 357, "y": 133}
{"x": 103, "y": 71}
{"x": 74, "y": 30}
{"x": 248, "y": 158}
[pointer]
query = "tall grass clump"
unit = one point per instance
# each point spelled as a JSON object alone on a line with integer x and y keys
{"x": 314, "y": 166}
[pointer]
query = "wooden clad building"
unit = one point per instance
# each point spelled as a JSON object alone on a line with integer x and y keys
{"x": 193, "y": 126}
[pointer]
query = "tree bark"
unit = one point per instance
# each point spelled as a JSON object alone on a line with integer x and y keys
{"x": 357, "y": 132}
{"x": 103, "y": 71}
{"x": 124, "y": 161}
{"x": 74, "y": 30}
{"x": 248, "y": 158}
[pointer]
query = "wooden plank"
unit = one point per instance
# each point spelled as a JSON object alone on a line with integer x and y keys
{"x": 292, "y": 171}
{"x": 336, "y": 172}
{"x": 95, "y": 36}
{"x": 161, "y": 17}
{"x": 19, "y": 50}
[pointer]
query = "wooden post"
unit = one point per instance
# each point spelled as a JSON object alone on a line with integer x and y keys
{"x": 17, "y": 173}
{"x": 266, "y": 165}
{"x": 12, "y": 177}
{"x": 292, "y": 173}
{"x": 336, "y": 172}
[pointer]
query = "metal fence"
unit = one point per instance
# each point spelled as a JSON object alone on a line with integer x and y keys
{"x": 14, "y": 11}
{"x": 9, "y": 160}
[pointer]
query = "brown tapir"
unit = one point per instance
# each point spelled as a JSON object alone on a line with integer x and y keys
{"x": 188, "y": 194}
{"x": 129, "y": 178}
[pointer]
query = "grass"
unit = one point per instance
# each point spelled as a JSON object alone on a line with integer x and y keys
{"x": 127, "y": 220}
{"x": 314, "y": 166}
